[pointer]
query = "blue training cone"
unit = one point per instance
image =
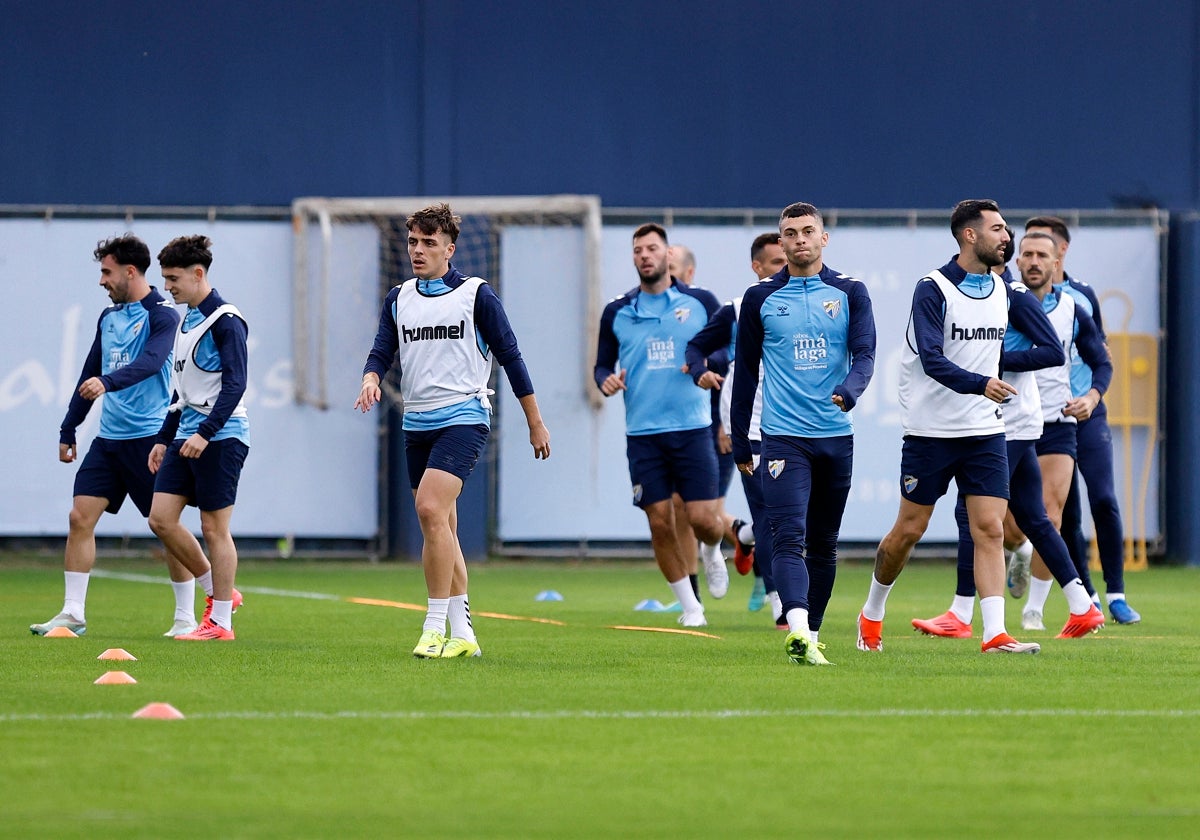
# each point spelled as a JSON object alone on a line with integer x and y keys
{"x": 548, "y": 595}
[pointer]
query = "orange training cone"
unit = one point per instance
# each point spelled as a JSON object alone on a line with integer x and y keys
{"x": 61, "y": 633}
{"x": 117, "y": 653}
{"x": 114, "y": 678}
{"x": 159, "y": 711}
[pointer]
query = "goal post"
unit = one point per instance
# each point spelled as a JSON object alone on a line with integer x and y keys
{"x": 328, "y": 232}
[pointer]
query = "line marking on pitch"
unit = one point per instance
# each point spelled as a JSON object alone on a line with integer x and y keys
{"x": 324, "y": 596}
{"x": 629, "y": 714}
{"x": 676, "y": 630}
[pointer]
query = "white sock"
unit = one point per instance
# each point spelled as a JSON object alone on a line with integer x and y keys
{"x": 1114, "y": 596}
{"x": 992, "y": 611}
{"x": 459, "y": 612}
{"x": 812, "y": 634}
{"x": 222, "y": 614}
{"x": 1078, "y": 601}
{"x": 75, "y": 586}
{"x": 711, "y": 553}
{"x": 745, "y": 534}
{"x": 185, "y": 599}
{"x": 964, "y": 608}
{"x": 685, "y": 596}
{"x": 205, "y": 581}
{"x": 874, "y": 608}
{"x": 435, "y": 615}
{"x": 1039, "y": 591}
{"x": 776, "y": 606}
{"x": 797, "y": 619}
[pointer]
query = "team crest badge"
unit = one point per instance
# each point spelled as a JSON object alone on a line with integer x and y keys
{"x": 637, "y": 494}
{"x": 682, "y": 314}
{"x": 833, "y": 308}
{"x": 775, "y": 468}
{"x": 910, "y": 483}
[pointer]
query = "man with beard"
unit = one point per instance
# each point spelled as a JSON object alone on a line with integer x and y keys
{"x": 950, "y": 398}
{"x": 667, "y": 419}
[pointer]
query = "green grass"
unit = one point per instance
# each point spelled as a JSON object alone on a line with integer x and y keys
{"x": 317, "y": 722}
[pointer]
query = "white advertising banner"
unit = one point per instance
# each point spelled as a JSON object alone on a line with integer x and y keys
{"x": 583, "y": 492}
{"x": 310, "y": 472}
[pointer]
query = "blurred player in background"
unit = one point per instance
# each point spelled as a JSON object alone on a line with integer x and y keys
{"x": 753, "y": 549}
{"x": 205, "y": 437}
{"x": 681, "y": 263}
{"x": 1095, "y": 453}
{"x": 130, "y": 364}
{"x": 442, "y": 328}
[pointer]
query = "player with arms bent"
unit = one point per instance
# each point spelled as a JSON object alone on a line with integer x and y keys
{"x": 130, "y": 364}
{"x": 950, "y": 396}
{"x": 206, "y": 435}
{"x": 444, "y": 328}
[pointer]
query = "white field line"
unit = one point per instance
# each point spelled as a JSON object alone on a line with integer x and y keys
{"x": 253, "y": 590}
{"x": 632, "y": 714}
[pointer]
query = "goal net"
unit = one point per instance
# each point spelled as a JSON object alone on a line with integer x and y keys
{"x": 501, "y": 238}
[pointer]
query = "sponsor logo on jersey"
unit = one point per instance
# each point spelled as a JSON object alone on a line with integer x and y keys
{"x": 782, "y": 310}
{"x": 808, "y": 349}
{"x": 832, "y": 308}
{"x": 682, "y": 313}
{"x": 958, "y": 333}
{"x": 660, "y": 352}
{"x": 137, "y": 328}
{"x": 910, "y": 483}
{"x": 441, "y": 332}
{"x": 775, "y": 468}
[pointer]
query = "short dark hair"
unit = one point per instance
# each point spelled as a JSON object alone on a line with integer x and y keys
{"x": 436, "y": 217}
{"x": 184, "y": 251}
{"x": 968, "y": 212}
{"x": 801, "y": 208}
{"x": 125, "y": 250}
{"x": 1038, "y": 234}
{"x": 761, "y": 242}
{"x": 649, "y": 228}
{"x": 1054, "y": 223}
{"x": 1011, "y": 248}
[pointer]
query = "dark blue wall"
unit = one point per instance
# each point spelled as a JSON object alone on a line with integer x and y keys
{"x": 870, "y": 104}
{"x": 1073, "y": 103}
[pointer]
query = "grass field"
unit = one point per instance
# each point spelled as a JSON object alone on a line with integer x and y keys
{"x": 317, "y": 721}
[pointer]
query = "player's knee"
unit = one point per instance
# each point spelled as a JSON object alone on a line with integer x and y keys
{"x": 159, "y": 521}
{"x": 77, "y": 520}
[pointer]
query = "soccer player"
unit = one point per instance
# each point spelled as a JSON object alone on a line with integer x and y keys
{"x": 766, "y": 258}
{"x": 667, "y": 420}
{"x": 1033, "y": 349}
{"x": 1095, "y": 456}
{"x": 812, "y": 332}
{"x": 1040, "y": 265}
{"x": 130, "y": 365}
{"x": 205, "y": 437}
{"x": 443, "y": 328}
{"x": 681, "y": 263}
{"x": 950, "y": 397}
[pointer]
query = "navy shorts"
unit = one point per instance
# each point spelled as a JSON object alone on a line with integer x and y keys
{"x": 114, "y": 469}
{"x": 453, "y": 449}
{"x": 1059, "y": 439}
{"x": 979, "y": 465}
{"x": 209, "y": 482}
{"x": 725, "y": 465}
{"x": 672, "y": 462}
